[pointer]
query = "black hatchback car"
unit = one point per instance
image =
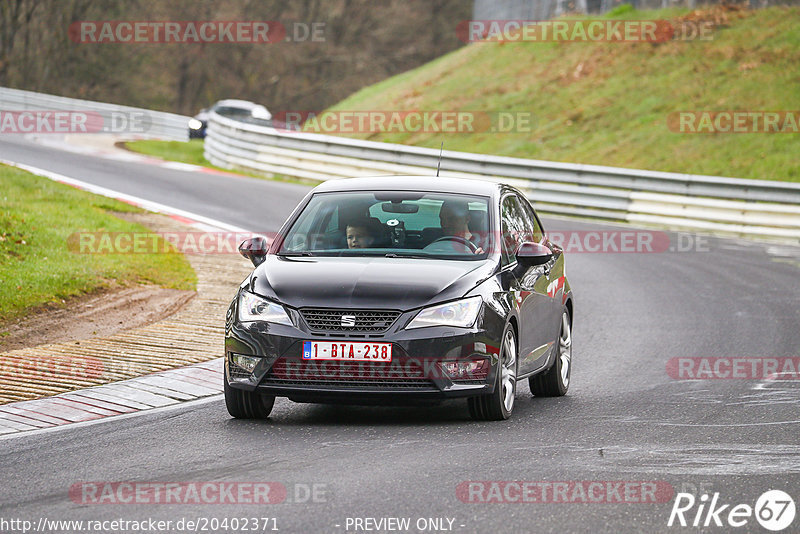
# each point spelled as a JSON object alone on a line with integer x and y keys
{"x": 401, "y": 289}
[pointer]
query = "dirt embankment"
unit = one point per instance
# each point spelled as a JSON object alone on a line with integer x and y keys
{"x": 101, "y": 314}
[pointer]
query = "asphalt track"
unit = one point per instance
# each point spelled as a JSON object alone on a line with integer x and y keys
{"x": 624, "y": 418}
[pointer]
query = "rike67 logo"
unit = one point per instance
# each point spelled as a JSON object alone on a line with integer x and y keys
{"x": 774, "y": 510}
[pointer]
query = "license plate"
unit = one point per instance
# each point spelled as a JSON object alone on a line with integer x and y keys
{"x": 337, "y": 350}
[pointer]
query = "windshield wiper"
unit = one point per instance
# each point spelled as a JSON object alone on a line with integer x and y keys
{"x": 295, "y": 254}
{"x": 405, "y": 255}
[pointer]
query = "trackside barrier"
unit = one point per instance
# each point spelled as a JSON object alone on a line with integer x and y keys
{"x": 103, "y": 118}
{"x": 682, "y": 201}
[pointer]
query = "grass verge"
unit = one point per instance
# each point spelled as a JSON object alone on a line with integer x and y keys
{"x": 609, "y": 103}
{"x": 192, "y": 152}
{"x": 186, "y": 152}
{"x": 37, "y": 268}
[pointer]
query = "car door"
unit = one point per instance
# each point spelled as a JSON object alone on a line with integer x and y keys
{"x": 530, "y": 291}
{"x": 556, "y": 275}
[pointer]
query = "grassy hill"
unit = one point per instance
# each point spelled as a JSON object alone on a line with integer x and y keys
{"x": 608, "y": 103}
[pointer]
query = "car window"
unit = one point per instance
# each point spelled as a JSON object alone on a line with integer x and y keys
{"x": 516, "y": 228}
{"x": 538, "y": 231}
{"x": 229, "y": 111}
{"x": 311, "y": 231}
{"x": 403, "y": 223}
{"x": 506, "y": 255}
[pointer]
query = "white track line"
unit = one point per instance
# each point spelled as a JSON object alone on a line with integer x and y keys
{"x": 130, "y": 199}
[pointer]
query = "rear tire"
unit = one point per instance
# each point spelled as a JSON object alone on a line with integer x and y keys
{"x": 555, "y": 381}
{"x": 247, "y": 404}
{"x": 498, "y": 406}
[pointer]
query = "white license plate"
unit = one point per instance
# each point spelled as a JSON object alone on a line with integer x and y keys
{"x": 338, "y": 350}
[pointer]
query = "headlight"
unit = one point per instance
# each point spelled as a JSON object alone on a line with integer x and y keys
{"x": 460, "y": 313}
{"x": 254, "y": 308}
{"x": 195, "y": 124}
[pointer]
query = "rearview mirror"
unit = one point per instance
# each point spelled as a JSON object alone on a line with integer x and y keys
{"x": 533, "y": 254}
{"x": 254, "y": 249}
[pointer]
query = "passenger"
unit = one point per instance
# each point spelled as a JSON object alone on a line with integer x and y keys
{"x": 361, "y": 233}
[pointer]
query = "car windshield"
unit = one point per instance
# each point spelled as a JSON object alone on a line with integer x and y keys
{"x": 392, "y": 224}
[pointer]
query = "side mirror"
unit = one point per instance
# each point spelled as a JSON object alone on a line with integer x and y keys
{"x": 533, "y": 254}
{"x": 254, "y": 249}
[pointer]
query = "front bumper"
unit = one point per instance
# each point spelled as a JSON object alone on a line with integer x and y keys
{"x": 415, "y": 372}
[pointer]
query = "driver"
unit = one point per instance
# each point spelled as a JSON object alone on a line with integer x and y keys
{"x": 454, "y": 218}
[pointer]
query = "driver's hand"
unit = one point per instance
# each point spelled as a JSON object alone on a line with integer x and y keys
{"x": 479, "y": 250}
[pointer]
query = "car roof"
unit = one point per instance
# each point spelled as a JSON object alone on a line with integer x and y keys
{"x": 244, "y": 104}
{"x": 435, "y": 184}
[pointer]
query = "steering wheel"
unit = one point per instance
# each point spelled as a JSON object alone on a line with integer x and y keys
{"x": 458, "y": 239}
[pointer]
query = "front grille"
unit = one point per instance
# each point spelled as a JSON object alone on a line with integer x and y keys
{"x": 366, "y": 321}
{"x": 397, "y": 374}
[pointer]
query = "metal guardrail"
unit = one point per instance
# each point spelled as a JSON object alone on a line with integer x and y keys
{"x": 122, "y": 120}
{"x": 680, "y": 201}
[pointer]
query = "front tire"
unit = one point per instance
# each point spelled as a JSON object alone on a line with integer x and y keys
{"x": 498, "y": 406}
{"x": 555, "y": 381}
{"x": 247, "y": 404}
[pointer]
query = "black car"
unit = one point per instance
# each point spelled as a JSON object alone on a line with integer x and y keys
{"x": 401, "y": 289}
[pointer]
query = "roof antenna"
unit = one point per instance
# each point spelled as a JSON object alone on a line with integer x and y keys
{"x": 439, "y": 164}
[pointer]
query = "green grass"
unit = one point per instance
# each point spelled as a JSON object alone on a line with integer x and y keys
{"x": 608, "y": 103}
{"x": 192, "y": 152}
{"x": 185, "y": 152}
{"x": 37, "y": 268}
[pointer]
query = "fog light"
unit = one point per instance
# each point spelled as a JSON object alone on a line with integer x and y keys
{"x": 466, "y": 369}
{"x": 248, "y": 363}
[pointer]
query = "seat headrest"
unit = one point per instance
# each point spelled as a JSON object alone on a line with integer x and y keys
{"x": 478, "y": 221}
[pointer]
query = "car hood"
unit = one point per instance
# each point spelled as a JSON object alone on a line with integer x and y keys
{"x": 383, "y": 283}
